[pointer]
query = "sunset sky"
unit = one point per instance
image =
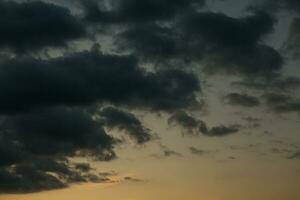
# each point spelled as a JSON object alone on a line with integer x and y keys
{"x": 149, "y": 99}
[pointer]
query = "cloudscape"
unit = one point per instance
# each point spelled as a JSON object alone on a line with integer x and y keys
{"x": 149, "y": 99}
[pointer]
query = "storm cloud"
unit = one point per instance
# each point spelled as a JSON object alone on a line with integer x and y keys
{"x": 33, "y": 25}
{"x": 282, "y": 103}
{"x": 89, "y": 77}
{"x": 190, "y": 124}
{"x": 134, "y": 11}
{"x": 293, "y": 42}
{"x": 233, "y": 45}
{"x": 221, "y": 130}
{"x": 114, "y": 118}
{"x": 61, "y": 104}
{"x": 194, "y": 126}
{"x": 241, "y": 100}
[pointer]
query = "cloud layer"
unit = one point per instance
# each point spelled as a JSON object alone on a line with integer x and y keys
{"x": 54, "y": 106}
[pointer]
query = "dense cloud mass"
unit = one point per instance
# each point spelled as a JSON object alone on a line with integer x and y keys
{"x": 295, "y": 156}
{"x": 233, "y": 45}
{"x": 37, "y": 142}
{"x": 134, "y": 11}
{"x": 60, "y": 92}
{"x": 277, "y": 5}
{"x": 222, "y": 43}
{"x": 219, "y": 131}
{"x": 57, "y": 130}
{"x": 241, "y": 100}
{"x": 30, "y": 26}
{"x": 288, "y": 6}
{"x": 277, "y": 84}
{"x": 194, "y": 126}
{"x": 293, "y": 43}
{"x": 187, "y": 122}
{"x": 40, "y": 118}
{"x": 196, "y": 151}
{"x": 43, "y": 174}
{"x": 281, "y": 103}
{"x": 89, "y": 77}
{"x": 114, "y": 118}
{"x": 150, "y": 42}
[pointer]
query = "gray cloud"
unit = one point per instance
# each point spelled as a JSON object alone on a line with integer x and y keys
{"x": 276, "y": 84}
{"x": 41, "y": 173}
{"x": 187, "y": 122}
{"x": 197, "y": 151}
{"x": 194, "y": 126}
{"x": 296, "y": 155}
{"x": 293, "y": 42}
{"x": 221, "y": 130}
{"x": 38, "y": 142}
{"x": 129, "y": 178}
{"x": 134, "y": 11}
{"x": 277, "y": 5}
{"x": 241, "y": 100}
{"x": 41, "y": 24}
{"x": 48, "y": 107}
{"x": 89, "y": 77}
{"x": 233, "y": 45}
{"x": 115, "y": 118}
{"x": 281, "y": 103}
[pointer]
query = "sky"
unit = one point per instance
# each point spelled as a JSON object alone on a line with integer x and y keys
{"x": 149, "y": 99}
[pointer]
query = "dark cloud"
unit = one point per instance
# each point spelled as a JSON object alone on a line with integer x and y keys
{"x": 151, "y": 42}
{"x": 295, "y": 156}
{"x": 253, "y": 122}
{"x": 222, "y": 30}
{"x": 195, "y": 126}
{"x": 273, "y": 99}
{"x": 293, "y": 42}
{"x": 134, "y": 11}
{"x": 292, "y": 7}
{"x": 167, "y": 152}
{"x": 241, "y": 100}
{"x": 232, "y": 45}
{"x": 196, "y": 151}
{"x": 149, "y": 10}
{"x": 125, "y": 121}
{"x": 84, "y": 167}
{"x": 49, "y": 108}
{"x": 129, "y": 178}
{"x": 96, "y": 12}
{"x": 89, "y": 77}
{"x": 277, "y": 84}
{"x": 281, "y": 103}
{"x": 222, "y": 43}
{"x": 219, "y": 131}
{"x": 10, "y": 150}
{"x": 107, "y": 174}
{"x": 57, "y": 130}
{"x": 36, "y": 144}
{"x": 277, "y": 5}
{"x": 188, "y": 123}
{"x": 40, "y": 173}
{"x": 28, "y": 181}
{"x": 30, "y": 26}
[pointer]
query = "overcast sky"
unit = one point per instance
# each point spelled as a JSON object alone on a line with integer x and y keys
{"x": 149, "y": 99}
